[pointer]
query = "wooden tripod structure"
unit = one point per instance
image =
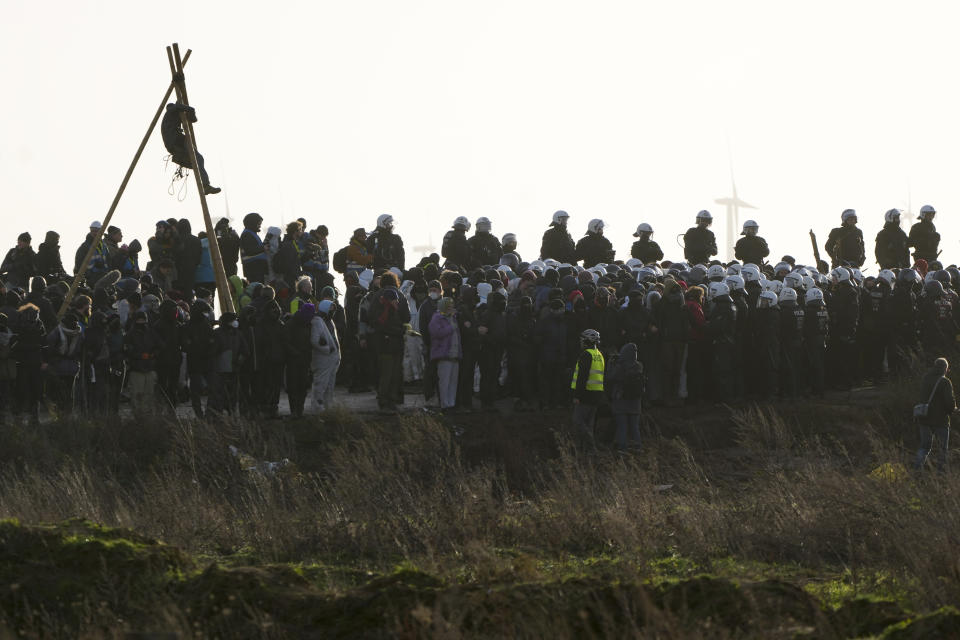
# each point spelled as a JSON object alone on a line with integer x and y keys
{"x": 178, "y": 84}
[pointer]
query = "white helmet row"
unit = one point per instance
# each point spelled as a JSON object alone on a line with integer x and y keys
{"x": 768, "y": 297}
{"x": 793, "y": 280}
{"x": 734, "y": 282}
{"x": 887, "y": 276}
{"x": 716, "y": 273}
{"x": 788, "y": 295}
{"x": 840, "y": 274}
{"x": 717, "y": 289}
{"x": 734, "y": 269}
{"x": 814, "y": 295}
{"x": 750, "y": 273}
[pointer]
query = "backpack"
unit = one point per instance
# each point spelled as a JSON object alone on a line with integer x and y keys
{"x": 340, "y": 261}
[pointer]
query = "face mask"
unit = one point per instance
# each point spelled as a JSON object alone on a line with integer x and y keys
{"x": 434, "y": 295}
{"x": 235, "y": 324}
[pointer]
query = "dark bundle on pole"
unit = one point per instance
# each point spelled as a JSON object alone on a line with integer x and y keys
{"x": 78, "y": 277}
{"x": 223, "y": 288}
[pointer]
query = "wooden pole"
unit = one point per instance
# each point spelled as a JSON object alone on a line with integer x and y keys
{"x": 223, "y": 287}
{"x": 78, "y": 277}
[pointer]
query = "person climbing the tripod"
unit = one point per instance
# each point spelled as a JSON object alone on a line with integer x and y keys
{"x": 175, "y": 141}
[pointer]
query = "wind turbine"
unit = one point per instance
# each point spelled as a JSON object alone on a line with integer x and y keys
{"x": 733, "y": 205}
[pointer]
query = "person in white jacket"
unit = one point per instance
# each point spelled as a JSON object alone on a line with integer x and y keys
{"x": 326, "y": 355}
{"x": 413, "y": 346}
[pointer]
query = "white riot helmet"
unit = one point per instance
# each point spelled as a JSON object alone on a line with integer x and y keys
{"x": 776, "y": 286}
{"x": 484, "y": 225}
{"x": 462, "y": 223}
{"x": 893, "y": 215}
{"x": 814, "y": 295}
{"x": 750, "y": 273}
{"x": 857, "y": 275}
{"x": 508, "y": 238}
{"x": 590, "y": 337}
{"x": 887, "y": 276}
{"x": 788, "y": 295}
{"x": 595, "y": 226}
{"x": 643, "y": 227}
{"x": 560, "y": 218}
{"x": 793, "y": 280}
{"x": 927, "y": 211}
{"x": 717, "y": 289}
{"x": 734, "y": 282}
{"x": 809, "y": 282}
{"x": 767, "y": 299}
{"x": 704, "y": 216}
{"x": 840, "y": 274}
{"x": 633, "y": 263}
{"x": 716, "y": 273}
{"x": 847, "y": 215}
{"x": 750, "y": 227}
{"x": 734, "y": 269}
{"x": 385, "y": 221}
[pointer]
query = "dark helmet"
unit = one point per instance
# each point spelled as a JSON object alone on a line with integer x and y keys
{"x": 933, "y": 289}
{"x": 943, "y": 278}
{"x": 954, "y": 276}
{"x": 38, "y": 284}
{"x": 907, "y": 276}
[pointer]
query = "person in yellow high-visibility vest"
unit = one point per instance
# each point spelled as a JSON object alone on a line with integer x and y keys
{"x": 587, "y": 388}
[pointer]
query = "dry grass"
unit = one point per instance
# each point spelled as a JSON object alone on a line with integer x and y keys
{"x": 367, "y": 496}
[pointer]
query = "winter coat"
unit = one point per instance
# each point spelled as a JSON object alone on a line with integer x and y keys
{"x": 198, "y": 345}
{"x": 49, "y": 262}
{"x": 485, "y": 250}
{"x": 444, "y": 338}
{"x": 925, "y": 240}
{"x": 623, "y": 380}
{"x": 141, "y": 347}
{"x": 593, "y": 249}
{"x": 323, "y": 338}
{"x": 943, "y": 403}
{"x": 287, "y": 262}
{"x": 229, "y": 243}
{"x": 845, "y": 244}
{"x": 20, "y": 265}
{"x": 456, "y": 248}
{"x": 204, "y": 270}
{"x": 387, "y": 250}
{"x": 550, "y": 337}
{"x": 699, "y": 245}
{"x": 751, "y": 249}
{"x": 722, "y": 321}
{"x": 558, "y": 245}
{"x": 230, "y": 350}
{"x": 253, "y": 257}
{"x": 892, "y": 248}
{"x": 646, "y": 251}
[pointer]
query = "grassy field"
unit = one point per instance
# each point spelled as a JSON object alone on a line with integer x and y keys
{"x": 791, "y": 520}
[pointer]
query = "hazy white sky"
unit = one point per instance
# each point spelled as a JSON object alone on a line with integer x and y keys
{"x": 340, "y": 111}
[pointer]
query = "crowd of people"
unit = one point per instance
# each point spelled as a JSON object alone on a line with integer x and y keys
{"x": 575, "y": 327}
